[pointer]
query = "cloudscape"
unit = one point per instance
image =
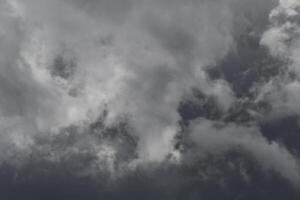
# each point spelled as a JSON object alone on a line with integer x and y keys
{"x": 149, "y": 99}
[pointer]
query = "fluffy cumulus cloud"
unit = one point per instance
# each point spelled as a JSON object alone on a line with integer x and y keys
{"x": 122, "y": 87}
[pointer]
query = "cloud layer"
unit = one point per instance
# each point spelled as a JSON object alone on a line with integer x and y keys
{"x": 123, "y": 86}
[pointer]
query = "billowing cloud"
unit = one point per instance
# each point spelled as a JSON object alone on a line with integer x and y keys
{"x": 102, "y": 86}
{"x": 282, "y": 39}
{"x": 139, "y": 65}
{"x": 217, "y": 138}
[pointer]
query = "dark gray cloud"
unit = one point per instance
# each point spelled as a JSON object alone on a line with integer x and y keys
{"x": 149, "y": 99}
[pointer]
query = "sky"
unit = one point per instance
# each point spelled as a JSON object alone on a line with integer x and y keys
{"x": 149, "y": 99}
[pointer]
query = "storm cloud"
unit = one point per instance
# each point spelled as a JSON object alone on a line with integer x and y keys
{"x": 120, "y": 96}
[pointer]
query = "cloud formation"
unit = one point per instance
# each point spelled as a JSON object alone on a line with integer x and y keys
{"x": 101, "y": 86}
{"x": 140, "y": 64}
{"x": 282, "y": 39}
{"x": 217, "y": 138}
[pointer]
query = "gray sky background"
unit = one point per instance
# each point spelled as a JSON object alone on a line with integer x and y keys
{"x": 125, "y": 93}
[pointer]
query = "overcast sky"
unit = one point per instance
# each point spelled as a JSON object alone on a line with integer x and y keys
{"x": 149, "y": 99}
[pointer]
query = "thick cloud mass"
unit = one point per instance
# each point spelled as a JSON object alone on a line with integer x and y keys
{"x": 149, "y": 99}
